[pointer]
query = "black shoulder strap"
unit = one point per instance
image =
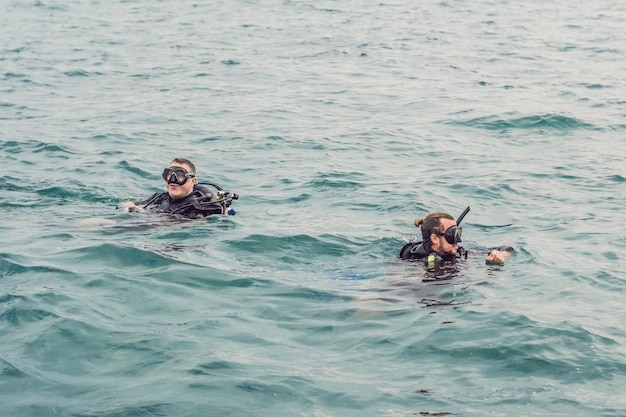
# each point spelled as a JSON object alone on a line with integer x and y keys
{"x": 156, "y": 198}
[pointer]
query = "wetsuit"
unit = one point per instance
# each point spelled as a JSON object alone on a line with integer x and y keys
{"x": 200, "y": 203}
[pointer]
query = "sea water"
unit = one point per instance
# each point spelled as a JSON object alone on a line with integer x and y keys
{"x": 337, "y": 123}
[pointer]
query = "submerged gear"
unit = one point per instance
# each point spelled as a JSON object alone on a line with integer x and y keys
{"x": 176, "y": 175}
{"x": 202, "y": 202}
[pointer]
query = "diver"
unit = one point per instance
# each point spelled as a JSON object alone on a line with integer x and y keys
{"x": 440, "y": 237}
{"x": 186, "y": 197}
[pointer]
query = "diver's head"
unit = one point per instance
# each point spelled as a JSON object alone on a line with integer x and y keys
{"x": 180, "y": 177}
{"x": 440, "y": 232}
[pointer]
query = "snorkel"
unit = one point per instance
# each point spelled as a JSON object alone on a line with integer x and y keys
{"x": 458, "y": 222}
{"x": 462, "y": 216}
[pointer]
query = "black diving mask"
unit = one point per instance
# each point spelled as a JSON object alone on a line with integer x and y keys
{"x": 176, "y": 175}
{"x": 452, "y": 234}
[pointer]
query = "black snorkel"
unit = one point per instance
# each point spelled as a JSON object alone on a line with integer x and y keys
{"x": 460, "y": 218}
{"x": 462, "y": 252}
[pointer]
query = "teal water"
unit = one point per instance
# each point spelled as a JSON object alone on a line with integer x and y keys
{"x": 338, "y": 123}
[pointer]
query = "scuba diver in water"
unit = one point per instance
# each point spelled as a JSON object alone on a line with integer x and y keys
{"x": 185, "y": 196}
{"x": 440, "y": 237}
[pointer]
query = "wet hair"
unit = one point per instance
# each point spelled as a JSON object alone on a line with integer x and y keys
{"x": 187, "y": 162}
{"x": 431, "y": 224}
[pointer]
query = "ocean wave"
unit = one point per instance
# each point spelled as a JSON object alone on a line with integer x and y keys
{"x": 18, "y": 265}
{"x": 109, "y": 256}
{"x": 557, "y": 122}
{"x": 294, "y": 248}
{"x": 140, "y": 409}
{"x": 19, "y": 314}
{"x": 35, "y": 146}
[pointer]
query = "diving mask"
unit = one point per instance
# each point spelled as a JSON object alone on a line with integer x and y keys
{"x": 176, "y": 175}
{"x": 452, "y": 234}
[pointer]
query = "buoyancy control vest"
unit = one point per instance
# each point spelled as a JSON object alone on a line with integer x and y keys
{"x": 417, "y": 251}
{"x": 202, "y": 202}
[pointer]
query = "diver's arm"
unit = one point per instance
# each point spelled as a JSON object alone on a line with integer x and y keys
{"x": 498, "y": 255}
{"x": 130, "y": 206}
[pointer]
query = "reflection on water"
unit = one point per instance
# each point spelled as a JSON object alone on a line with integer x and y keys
{"x": 445, "y": 286}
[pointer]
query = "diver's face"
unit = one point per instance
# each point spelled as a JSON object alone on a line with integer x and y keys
{"x": 439, "y": 243}
{"x": 178, "y": 191}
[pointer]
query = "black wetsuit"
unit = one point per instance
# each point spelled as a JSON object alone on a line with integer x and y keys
{"x": 200, "y": 203}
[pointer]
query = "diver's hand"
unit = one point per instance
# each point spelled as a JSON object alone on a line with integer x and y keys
{"x": 128, "y": 206}
{"x": 497, "y": 257}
